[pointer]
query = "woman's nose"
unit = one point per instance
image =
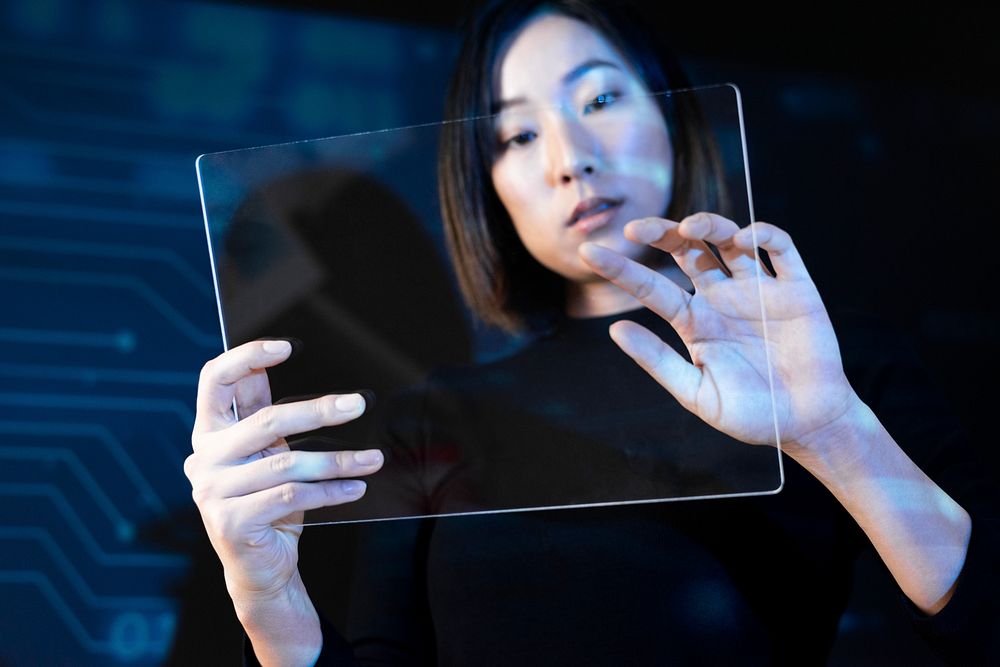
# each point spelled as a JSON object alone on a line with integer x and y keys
{"x": 572, "y": 154}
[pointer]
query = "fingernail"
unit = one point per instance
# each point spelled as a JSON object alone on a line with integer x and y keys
{"x": 297, "y": 345}
{"x": 349, "y": 403}
{"x": 277, "y": 346}
{"x": 353, "y": 487}
{"x": 367, "y": 394}
{"x": 368, "y": 457}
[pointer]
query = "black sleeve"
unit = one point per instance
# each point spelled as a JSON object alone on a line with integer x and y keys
{"x": 389, "y": 620}
{"x": 886, "y": 373}
{"x": 336, "y": 652}
{"x": 389, "y": 623}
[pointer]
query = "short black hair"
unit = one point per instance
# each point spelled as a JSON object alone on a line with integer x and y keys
{"x": 501, "y": 282}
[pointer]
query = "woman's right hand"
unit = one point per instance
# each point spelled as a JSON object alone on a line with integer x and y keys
{"x": 251, "y": 489}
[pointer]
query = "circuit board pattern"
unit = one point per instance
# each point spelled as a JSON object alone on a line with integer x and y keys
{"x": 108, "y": 306}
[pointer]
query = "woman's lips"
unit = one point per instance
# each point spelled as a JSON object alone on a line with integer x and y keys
{"x": 593, "y": 213}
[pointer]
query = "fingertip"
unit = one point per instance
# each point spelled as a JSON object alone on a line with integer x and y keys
{"x": 369, "y": 457}
{"x": 598, "y": 257}
{"x": 647, "y": 230}
{"x": 694, "y": 226}
{"x": 744, "y": 238}
{"x": 615, "y": 331}
{"x": 276, "y": 347}
{"x": 691, "y": 219}
{"x": 617, "y": 328}
{"x": 350, "y": 403}
{"x": 369, "y": 397}
{"x": 764, "y": 230}
{"x": 354, "y": 488}
{"x": 622, "y": 332}
{"x": 587, "y": 250}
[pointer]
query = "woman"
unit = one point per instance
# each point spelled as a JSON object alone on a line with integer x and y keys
{"x": 631, "y": 584}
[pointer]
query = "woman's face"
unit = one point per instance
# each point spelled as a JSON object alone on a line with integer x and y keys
{"x": 583, "y": 150}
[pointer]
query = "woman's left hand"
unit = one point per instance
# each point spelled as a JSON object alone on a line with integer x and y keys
{"x": 920, "y": 532}
{"x": 728, "y": 383}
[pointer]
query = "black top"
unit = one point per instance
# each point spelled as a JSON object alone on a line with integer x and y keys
{"x": 758, "y": 580}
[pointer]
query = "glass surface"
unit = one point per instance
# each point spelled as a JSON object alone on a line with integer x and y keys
{"x": 339, "y": 242}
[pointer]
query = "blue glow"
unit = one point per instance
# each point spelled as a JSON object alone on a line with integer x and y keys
{"x": 39, "y": 18}
{"x": 115, "y": 21}
{"x": 349, "y": 45}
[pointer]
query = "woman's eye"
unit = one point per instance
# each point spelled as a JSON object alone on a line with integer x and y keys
{"x": 600, "y": 102}
{"x": 520, "y": 139}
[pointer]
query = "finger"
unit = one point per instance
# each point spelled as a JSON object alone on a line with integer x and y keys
{"x": 270, "y": 424}
{"x": 270, "y": 505}
{"x": 294, "y": 466}
{"x": 692, "y": 256}
{"x": 254, "y": 392}
{"x": 659, "y": 294}
{"x": 785, "y": 258}
{"x": 218, "y": 383}
{"x": 367, "y": 394}
{"x": 719, "y": 231}
{"x": 662, "y": 362}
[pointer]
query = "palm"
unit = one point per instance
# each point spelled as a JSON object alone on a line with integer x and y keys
{"x": 275, "y": 546}
{"x": 737, "y": 355}
{"x": 278, "y": 551}
{"x": 725, "y": 335}
{"x": 271, "y": 547}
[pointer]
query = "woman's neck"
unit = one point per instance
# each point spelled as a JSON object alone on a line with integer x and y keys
{"x": 600, "y": 298}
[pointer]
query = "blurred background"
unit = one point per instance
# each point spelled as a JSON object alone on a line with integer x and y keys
{"x": 874, "y": 138}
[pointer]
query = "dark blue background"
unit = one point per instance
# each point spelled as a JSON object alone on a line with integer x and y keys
{"x": 880, "y": 156}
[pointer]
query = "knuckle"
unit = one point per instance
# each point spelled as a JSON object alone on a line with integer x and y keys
{"x": 266, "y": 420}
{"x": 199, "y": 495}
{"x": 340, "y": 462}
{"x": 282, "y": 462}
{"x": 225, "y": 523}
{"x": 320, "y": 408}
{"x": 289, "y": 493}
{"x": 207, "y": 371}
{"x": 203, "y": 492}
{"x": 190, "y": 464}
{"x": 212, "y": 517}
{"x": 646, "y": 288}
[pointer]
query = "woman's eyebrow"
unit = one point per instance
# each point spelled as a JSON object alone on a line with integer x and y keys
{"x": 585, "y": 67}
{"x": 569, "y": 77}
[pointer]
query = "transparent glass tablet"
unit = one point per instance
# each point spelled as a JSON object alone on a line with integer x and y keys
{"x": 339, "y": 242}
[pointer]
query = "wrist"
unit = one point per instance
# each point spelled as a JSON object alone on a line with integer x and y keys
{"x": 283, "y": 625}
{"x": 841, "y": 448}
